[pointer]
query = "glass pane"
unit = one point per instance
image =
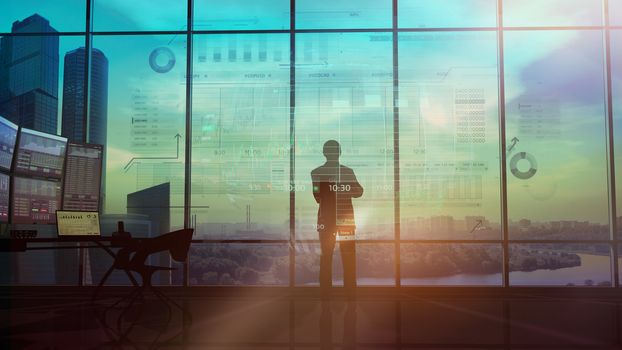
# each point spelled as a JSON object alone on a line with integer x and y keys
{"x": 555, "y": 112}
{"x": 549, "y": 13}
{"x": 375, "y": 264}
{"x": 139, "y": 15}
{"x": 308, "y": 265}
{"x": 313, "y": 14}
{"x": 343, "y": 93}
{"x": 451, "y": 264}
{"x": 447, "y": 13}
{"x": 449, "y": 143}
{"x": 240, "y": 118}
{"x": 43, "y": 16}
{"x": 616, "y": 79}
{"x": 581, "y": 265}
{"x": 144, "y": 169}
{"x": 615, "y": 12}
{"x": 241, "y": 15}
{"x": 239, "y": 264}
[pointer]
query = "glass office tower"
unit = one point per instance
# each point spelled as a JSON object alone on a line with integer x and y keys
{"x": 29, "y": 83}
{"x": 72, "y": 126}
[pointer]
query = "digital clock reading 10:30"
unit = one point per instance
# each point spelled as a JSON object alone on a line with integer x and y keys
{"x": 340, "y": 188}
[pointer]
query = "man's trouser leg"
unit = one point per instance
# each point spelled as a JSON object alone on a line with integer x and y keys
{"x": 348, "y": 259}
{"x": 327, "y": 242}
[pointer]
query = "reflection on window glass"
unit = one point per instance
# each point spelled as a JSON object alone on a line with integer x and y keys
{"x": 344, "y": 93}
{"x": 63, "y": 15}
{"x": 616, "y": 79}
{"x": 557, "y": 172}
{"x": 522, "y": 13}
{"x": 314, "y": 14}
{"x": 581, "y": 265}
{"x": 451, "y": 264}
{"x": 122, "y": 15}
{"x": 449, "y": 143}
{"x": 447, "y": 13}
{"x": 144, "y": 172}
{"x": 239, "y": 264}
{"x": 241, "y": 14}
{"x": 240, "y": 141}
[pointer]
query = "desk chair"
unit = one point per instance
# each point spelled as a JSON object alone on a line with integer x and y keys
{"x": 133, "y": 258}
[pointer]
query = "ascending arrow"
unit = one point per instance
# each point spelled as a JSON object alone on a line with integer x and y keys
{"x": 514, "y": 142}
{"x": 129, "y": 164}
{"x": 479, "y": 223}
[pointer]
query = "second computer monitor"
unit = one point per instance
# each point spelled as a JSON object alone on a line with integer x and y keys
{"x": 40, "y": 154}
{"x": 82, "y": 177}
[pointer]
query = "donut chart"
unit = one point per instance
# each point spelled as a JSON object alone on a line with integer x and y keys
{"x": 523, "y": 175}
{"x": 153, "y": 60}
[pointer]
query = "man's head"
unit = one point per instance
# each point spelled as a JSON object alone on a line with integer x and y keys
{"x": 332, "y": 150}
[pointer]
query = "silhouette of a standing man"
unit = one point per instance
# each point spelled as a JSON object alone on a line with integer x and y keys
{"x": 334, "y": 186}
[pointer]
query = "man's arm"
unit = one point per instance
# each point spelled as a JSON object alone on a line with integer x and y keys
{"x": 356, "y": 190}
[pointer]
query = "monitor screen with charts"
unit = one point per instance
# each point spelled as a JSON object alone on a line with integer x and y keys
{"x": 35, "y": 201}
{"x": 40, "y": 154}
{"x": 77, "y": 223}
{"x": 82, "y": 177}
{"x": 8, "y": 136}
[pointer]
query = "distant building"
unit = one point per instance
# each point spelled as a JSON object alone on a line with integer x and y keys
{"x": 29, "y": 75}
{"x": 73, "y": 97}
{"x": 442, "y": 225}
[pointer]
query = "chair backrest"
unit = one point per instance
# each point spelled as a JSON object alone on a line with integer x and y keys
{"x": 176, "y": 242}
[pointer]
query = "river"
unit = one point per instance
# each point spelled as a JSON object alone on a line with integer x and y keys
{"x": 593, "y": 267}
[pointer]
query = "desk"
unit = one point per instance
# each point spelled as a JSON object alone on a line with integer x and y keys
{"x": 83, "y": 242}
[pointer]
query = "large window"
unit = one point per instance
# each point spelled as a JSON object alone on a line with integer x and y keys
{"x": 427, "y": 99}
{"x": 555, "y": 132}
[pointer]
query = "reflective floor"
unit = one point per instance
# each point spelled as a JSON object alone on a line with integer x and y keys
{"x": 254, "y": 318}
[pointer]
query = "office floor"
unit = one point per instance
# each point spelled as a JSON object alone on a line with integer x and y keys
{"x": 260, "y": 318}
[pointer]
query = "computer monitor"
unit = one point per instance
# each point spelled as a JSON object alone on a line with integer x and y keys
{"x": 77, "y": 223}
{"x": 40, "y": 154}
{"x": 82, "y": 177}
{"x": 35, "y": 201}
{"x": 8, "y": 136}
{"x": 5, "y": 181}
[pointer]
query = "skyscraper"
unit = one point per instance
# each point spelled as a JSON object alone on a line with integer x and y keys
{"x": 72, "y": 126}
{"x": 73, "y": 97}
{"x": 29, "y": 75}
